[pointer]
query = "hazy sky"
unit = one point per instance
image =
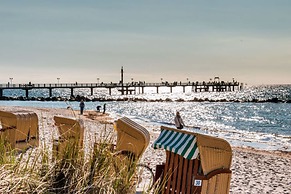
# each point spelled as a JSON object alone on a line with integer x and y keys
{"x": 82, "y": 40}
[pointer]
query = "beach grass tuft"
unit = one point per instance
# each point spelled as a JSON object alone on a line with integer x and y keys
{"x": 34, "y": 171}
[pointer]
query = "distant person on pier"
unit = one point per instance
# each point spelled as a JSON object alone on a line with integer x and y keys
{"x": 104, "y": 108}
{"x": 82, "y": 106}
{"x": 179, "y": 121}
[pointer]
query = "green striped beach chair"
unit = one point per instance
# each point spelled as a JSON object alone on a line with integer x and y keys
{"x": 195, "y": 163}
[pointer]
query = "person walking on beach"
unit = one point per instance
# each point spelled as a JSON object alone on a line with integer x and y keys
{"x": 82, "y": 106}
{"x": 104, "y": 108}
{"x": 179, "y": 121}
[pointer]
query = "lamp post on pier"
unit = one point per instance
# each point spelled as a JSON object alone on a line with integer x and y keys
{"x": 11, "y": 78}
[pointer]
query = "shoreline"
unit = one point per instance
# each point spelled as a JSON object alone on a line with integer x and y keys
{"x": 253, "y": 171}
{"x": 137, "y": 99}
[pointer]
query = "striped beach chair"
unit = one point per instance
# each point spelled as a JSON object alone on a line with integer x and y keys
{"x": 195, "y": 163}
{"x": 19, "y": 129}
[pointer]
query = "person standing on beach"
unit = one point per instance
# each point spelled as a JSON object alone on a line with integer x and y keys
{"x": 179, "y": 121}
{"x": 82, "y": 106}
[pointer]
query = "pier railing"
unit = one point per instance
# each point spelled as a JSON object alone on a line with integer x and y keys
{"x": 68, "y": 85}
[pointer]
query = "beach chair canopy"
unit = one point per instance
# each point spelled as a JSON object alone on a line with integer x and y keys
{"x": 69, "y": 128}
{"x": 131, "y": 136}
{"x": 19, "y": 128}
{"x": 71, "y": 133}
{"x": 214, "y": 153}
{"x": 184, "y": 144}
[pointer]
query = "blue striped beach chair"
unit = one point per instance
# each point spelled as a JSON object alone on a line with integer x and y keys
{"x": 195, "y": 163}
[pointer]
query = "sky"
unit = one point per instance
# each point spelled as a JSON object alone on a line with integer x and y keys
{"x": 89, "y": 40}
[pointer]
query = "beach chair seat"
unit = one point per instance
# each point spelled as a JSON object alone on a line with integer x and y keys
{"x": 71, "y": 135}
{"x": 19, "y": 129}
{"x": 195, "y": 163}
{"x": 131, "y": 137}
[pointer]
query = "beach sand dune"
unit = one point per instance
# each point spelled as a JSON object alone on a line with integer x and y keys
{"x": 253, "y": 171}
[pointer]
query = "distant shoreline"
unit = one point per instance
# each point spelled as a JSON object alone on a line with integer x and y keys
{"x": 137, "y": 99}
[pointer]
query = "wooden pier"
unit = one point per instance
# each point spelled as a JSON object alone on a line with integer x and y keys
{"x": 126, "y": 88}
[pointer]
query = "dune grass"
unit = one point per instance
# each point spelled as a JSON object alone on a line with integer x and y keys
{"x": 35, "y": 171}
{"x": 41, "y": 170}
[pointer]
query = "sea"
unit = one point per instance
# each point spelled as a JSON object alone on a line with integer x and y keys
{"x": 256, "y": 116}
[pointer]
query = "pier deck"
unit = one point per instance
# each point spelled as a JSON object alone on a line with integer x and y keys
{"x": 126, "y": 88}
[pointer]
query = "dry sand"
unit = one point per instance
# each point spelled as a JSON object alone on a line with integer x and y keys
{"x": 253, "y": 171}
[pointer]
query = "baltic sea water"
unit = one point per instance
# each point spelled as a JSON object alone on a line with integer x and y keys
{"x": 244, "y": 118}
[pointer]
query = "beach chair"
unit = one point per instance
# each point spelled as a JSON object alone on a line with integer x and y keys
{"x": 131, "y": 137}
{"x": 71, "y": 134}
{"x": 195, "y": 163}
{"x": 19, "y": 129}
{"x": 132, "y": 141}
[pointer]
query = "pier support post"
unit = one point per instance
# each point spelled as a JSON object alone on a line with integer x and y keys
{"x": 184, "y": 89}
{"x": 72, "y": 91}
{"x": 26, "y": 93}
{"x": 157, "y": 89}
{"x": 142, "y": 90}
{"x": 50, "y": 92}
{"x": 1, "y": 92}
{"x": 171, "y": 89}
{"x": 91, "y": 91}
{"x": 110, "y": 91}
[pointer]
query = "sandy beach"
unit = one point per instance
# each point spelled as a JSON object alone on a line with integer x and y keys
{"x": 253, "y": 171}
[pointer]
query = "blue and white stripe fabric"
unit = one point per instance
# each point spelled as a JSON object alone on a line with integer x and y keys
{"x": 179, "y": 143}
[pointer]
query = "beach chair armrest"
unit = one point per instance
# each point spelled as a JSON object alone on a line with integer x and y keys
{"x": 213, "y": 173}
